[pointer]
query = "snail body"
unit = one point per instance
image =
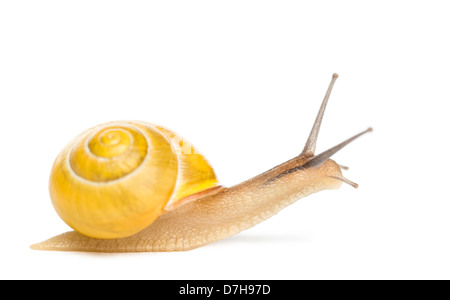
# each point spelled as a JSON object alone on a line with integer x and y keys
{"x": 134, "y": 187}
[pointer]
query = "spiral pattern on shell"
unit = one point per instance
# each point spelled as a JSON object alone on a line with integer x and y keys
{"x": 115, "y": 179}
{"x": 91, "y": 159}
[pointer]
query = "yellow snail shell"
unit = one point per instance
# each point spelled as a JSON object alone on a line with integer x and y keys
{"x": 115, "y": 179}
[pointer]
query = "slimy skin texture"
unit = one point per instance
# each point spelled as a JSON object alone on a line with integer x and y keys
{"x": 195, "y": 210}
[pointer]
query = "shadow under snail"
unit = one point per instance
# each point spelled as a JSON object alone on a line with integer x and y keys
{"x": 134, "y": 187}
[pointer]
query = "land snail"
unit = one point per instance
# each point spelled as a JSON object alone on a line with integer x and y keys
{"x": 136, "y": 187}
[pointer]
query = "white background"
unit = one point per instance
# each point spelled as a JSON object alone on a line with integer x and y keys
{"x": 242, "y": 80}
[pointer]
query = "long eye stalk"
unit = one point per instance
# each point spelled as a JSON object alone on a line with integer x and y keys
{"x": 322, "y": 157}
{"x": 310, "y": 145}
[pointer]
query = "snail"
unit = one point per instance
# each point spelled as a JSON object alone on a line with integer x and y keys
{"x": 132, "y": 186}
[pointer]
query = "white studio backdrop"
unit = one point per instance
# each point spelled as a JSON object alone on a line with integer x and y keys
{"x": 243, "y": 81}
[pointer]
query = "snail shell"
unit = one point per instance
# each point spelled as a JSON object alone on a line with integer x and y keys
{"x": 115, "y": 179}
